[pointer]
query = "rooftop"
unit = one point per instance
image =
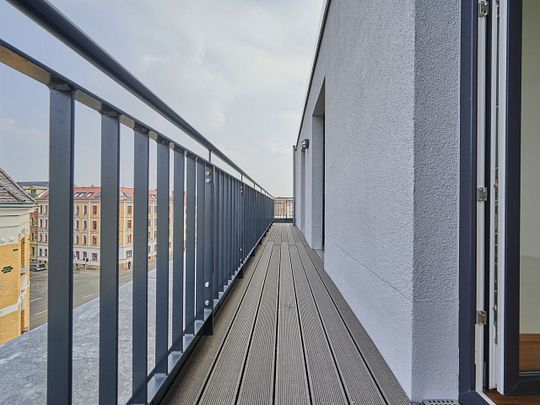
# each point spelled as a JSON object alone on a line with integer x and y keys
{"x": 11, "y": 193}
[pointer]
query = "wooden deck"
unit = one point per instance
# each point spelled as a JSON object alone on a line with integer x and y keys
{"x": 285, "y": 335}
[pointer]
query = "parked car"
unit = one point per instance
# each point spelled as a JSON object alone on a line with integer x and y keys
{"x": 38, "y": 266}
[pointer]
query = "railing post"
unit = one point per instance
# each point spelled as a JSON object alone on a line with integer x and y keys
{"x": 140, "y": 267}
{"x": 209, "y": 249}
{"x": 178, "y": 253}
{"x": 162, "y": 259}
{"x": 199, "y": 278}
{"x": 60, "y": 303}
{"x": 108, "y": 275}
{"x": 216, "y": 278}
{"x": 189, "y": 308}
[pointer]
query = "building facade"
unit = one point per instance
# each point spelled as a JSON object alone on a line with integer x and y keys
{"x": 416, "y": 173}
{"x": 283, "y": 207}
{"x": 34, "y": 189}
{"x": 86, "y": 227}
{"x": 15, "y": 209}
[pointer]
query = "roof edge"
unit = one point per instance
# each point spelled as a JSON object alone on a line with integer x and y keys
{"x": 314, "y": 64}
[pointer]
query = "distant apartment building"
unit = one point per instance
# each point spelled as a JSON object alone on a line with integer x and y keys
{"x": 86, "y": 227}
{"x": 34, "y": 189}
{"x": 15, "y": 209}
{"x": 283, "y": 207}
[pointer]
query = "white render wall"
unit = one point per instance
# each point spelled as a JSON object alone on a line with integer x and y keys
{"x": 391, "y": 76}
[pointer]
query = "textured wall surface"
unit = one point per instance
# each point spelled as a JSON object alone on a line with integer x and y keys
{"x": 391, "y": 74}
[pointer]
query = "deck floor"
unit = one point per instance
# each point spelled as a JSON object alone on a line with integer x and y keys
{"x": 285, "y": 335}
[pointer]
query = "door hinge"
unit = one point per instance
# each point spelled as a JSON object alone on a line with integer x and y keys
{"x": 483, "y": 8}
{"x": 481, "y": 317}
{"x": 481, "y": 194}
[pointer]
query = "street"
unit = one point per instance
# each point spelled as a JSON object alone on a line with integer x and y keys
{"x": 85, "y": 288}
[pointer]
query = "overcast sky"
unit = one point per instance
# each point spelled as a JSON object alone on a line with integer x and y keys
{"x": 237, "y": 70}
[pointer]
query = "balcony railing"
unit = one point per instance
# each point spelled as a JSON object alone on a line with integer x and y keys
{"x": 224, "y": 217}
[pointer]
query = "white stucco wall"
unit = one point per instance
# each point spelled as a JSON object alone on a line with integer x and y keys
{"x": 391, "y": 75}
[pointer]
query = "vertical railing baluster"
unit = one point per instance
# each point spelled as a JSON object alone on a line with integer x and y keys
{"x": 178, "y": 253}
{"x": 140, "y": 267}
{"x": 208, "y": 248}
{"x": 229, "y": 227}
{"x": 189, "y": 307}
{"x": 199, "y": 277}
{"x": 222, "y": 244}
{"x": 242, "y": 222}
{"x": 226, "y": 249}
{"x": 60, "y": 278}
{"x": 108, "y": 275}
{"x": 236, "y": 257}
{"x": 216, "y": 220}
{"x": 162, "y": 259}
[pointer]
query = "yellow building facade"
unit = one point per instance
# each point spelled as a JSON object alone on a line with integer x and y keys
{"x": 15, "y": 209}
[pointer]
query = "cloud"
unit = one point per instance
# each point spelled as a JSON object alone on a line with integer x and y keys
{"x": 237, "y": 70}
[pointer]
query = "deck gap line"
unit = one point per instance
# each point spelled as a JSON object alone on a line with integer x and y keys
{"x": 325, "y": 332}
{"x": 239, "y": 382}
{"x": 368, "y": 367}
{"x": 232, "y": 323}
{"x": 207, "y": 377}
{"x": 301, "y": 331}
{"x": 277, "y": 328}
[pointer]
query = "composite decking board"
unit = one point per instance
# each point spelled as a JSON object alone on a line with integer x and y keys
{"x": 388, "y": 384}
{"x": 290, "y": 237}
{"x": 257, "y": 386}
{"x": 186, "y": 388}
{"x": 324, "y": 378}
{"x": 222, "y": 384}
{"x": 291, "y": 386}
{"x": 294, "y": 370}
{"x": 356, "y": 376}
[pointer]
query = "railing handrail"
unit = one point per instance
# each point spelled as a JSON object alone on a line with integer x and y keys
{"x": 51, "y": 19}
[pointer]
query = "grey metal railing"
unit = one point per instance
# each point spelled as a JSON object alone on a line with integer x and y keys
{"x": 224, "y": 219}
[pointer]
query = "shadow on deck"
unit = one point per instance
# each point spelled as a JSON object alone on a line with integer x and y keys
{"x": 285, "y": 335}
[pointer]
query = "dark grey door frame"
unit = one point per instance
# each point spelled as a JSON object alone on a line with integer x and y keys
{"x": 467, "y": 204}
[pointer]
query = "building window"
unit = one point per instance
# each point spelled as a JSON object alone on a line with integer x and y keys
{"x": 41, "y": 209}
{"x": 39, "y": 237}
{"x": 46, "y": 237}
{"x": 94, "y": 225}
{"x": 77, "y": 224}
{"x": 85, "y": 240}
{"x": 85, "y": 210}
{"x": 129, "y": 209}
{"x": 45, "y": 252}
{"x": 129, "y": 253}
{"x": 129, "y": 238}
{"x": 77, "y": 255}
{"x": 46, "y": 223}
{"x": 77, "y": 240}
{"x": 94, "y": 240}
{"x": 41, "y": 252}
{"x": 94, "y": 257}
{"x": 41, "y": 223}
{"x": 33, "y": 251}
{"x": 94, "y": 209}
{"x": 129, "y": 223}
{"x": 84, "y": 224}
{"x": 77, "y": 209}
{"x": 84, "y": 255}
{"x": 46, "y": 208}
